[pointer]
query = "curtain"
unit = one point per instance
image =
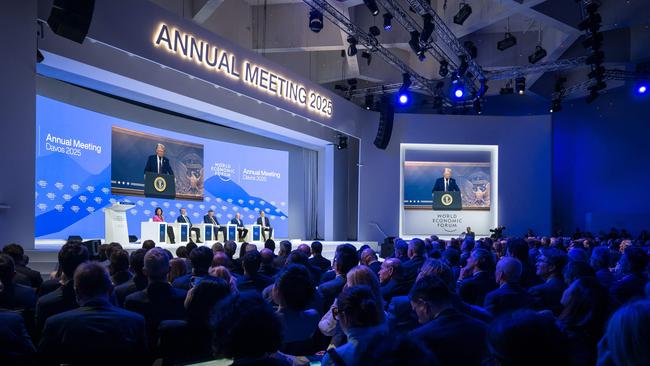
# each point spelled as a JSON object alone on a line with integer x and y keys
{"x": 310, "y": 161}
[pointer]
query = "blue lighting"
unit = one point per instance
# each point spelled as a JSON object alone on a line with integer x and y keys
{"x": 642, "y": 89}
{"x": 388, "y": 27}
{"x": 403, "y": 98}
{"x": 458, "y": 93}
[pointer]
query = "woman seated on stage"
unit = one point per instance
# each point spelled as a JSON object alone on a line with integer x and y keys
{"x": 158, "y": 217}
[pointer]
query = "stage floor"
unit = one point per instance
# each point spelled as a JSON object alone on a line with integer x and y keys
{"x": 44, "y": 257}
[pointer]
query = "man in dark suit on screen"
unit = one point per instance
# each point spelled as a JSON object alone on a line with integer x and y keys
{"x": 158, "y": 163}
{"x": 446, "y": 183}
{"x": 266, "y": 225}
{"x": 211, "y": 219}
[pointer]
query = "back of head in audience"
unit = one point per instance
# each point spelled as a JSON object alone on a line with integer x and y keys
{"x": 345, "y": 258}
{"x": 357, "y": 307}
{"x": 270, "y": 245}
{"x": 266, "y": 256}
{"x": 482, "y": 259}
{"x": 416, "y": 248}
{"x": 202, "y": 298}
{"x": 305, "y": 249}
{"x": 246, "y": 326}
{"x": 551, "y": 263}
{"x": 156, "y": 265}
{"x": 285, "y": 248}
{"x": 525, "y": 337}
{"x": 390, "y": 268}
{"x": 217, "y": 247}
{"x": 148, "y": 244}
{"x": 518, "y": 248}
{"x": 429, "y": 296}
{"x": 368, "y": 256}
{"x": 293, "y": 288}
{"x": 586, "y": 308}
{"x": 91, "y": 281}
{"x": 220, "y": 259}
{"x": 628, "y": 335}
{"x": 7, "y": 269}
{"x": 508, "y": 270}
{"x": 201, "y": 259}
{"x": 575, "y": 270}
{"x": 251, "y": 262}
{"x": 16, "y": 252}
{"x": 230, "y": 248}
{"x": 600, "y": 258}
{"x": 316, "y": 248}
{"x": 181, "y": 252}
{"x": 71, "y": 256}
{"x": 136, "y": 262}
{"x": 634, "y": 260}
{"x": 119, "y": 261}
{"x": 177, "y": 268}
{"x": 437, "y": 267}
{"x": 401, "y": 248}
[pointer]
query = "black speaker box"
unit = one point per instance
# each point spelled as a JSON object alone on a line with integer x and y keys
{"x": 71, "y": 18}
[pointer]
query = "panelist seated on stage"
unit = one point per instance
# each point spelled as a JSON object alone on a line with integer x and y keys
{"x": 446, "y": 183}
{"x": 184, "y": 219}
{"x": 263, "y": 221}
{"x": 211, "y": 219}
{"x": 158, "y": 163}
{"x": 241, "y": 230}
{"x": 158, "y": 217}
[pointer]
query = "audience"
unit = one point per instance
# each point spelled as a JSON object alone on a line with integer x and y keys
{"x": 14, "y": 296}
{"x": 632, "y": 267}
{"x": 97, "y": 333}
{"x": 16, "y": 347}
{"x": 24, "y": 275}
{"x": 252, "y": 279}
{"x": 550, "y": 265}
{"x": 369, "y": 258}
{"x": 345, "y": 259}
{"x": 477, "y": 277}
{"x": 510, "y": 295}
{"x": 391, "y": 279}
{"x": 266, "y": 265}
{"x": 285, "y": 249}
{"x": 627, "y": 338}
{"x": 177, "y": 269}
{"x": 137, "y": 282}
{"x": 317, "y": 259}
{"x": 119, "y": 267}
{"x": 201, "y": 259}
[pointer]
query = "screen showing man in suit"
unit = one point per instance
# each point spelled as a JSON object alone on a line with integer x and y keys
{"x": 241, "y": 230}
{"x": 446, "y": 183}
{"x": 210, "y": 218}
{"x": 158, "y": 163}
{"x": 184, "y": 219}
{"x": 266, "y": 225}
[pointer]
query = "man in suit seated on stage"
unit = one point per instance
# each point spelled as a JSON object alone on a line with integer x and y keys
{"x": 97, "y": 332}
{"x": 158, "y": 163}
{"x": 241, "y": 230}
{"x": 266, "y": 226}
{"x": 446, "y": 183}
{"x": 184, "y": 219}
{"x": 211, "y": 219}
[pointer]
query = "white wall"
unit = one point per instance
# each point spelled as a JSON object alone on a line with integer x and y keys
{"x": 524, "y": 167}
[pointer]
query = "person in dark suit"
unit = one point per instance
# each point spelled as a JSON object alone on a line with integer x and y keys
{"x": 252, "y": 279}
{"x": 518, "y": 248}
{"x": 476, "y": 278}
{"x": 283, "y": 253}
{"x": 455, "y": 338}
{"x": 241, "y": 230}
{"x": 97, "y": 332}
{"x": 159, "y": 301}
{"x": 510, "y": 296}
{"x": 446, "y": 183}
{"x": 345, "y": 259}
{"x": 16, "y": 347}
{"x": 317, "y": 258}
{"x": 550, "y": 265}
{"x": 369, "y": 258}
{"x": 266, "y": 225}
{"x": 392, "y": 282}
{"x": 416, "y": 254}
{"x": 211, "y": 219}
{"x": 184, "y": 219}
{"x": 62, "y": 299}
{"x": 24, "y": 275}
{"x": 137, "y": 282}
{"x": 201, "y": 259}
{"x": 12, "y": 295}
{"x": 266, "y": 267}
{"x": 158, "y": 163}
{"x": 633, "y": 265}
{"x": 600, "y": 261}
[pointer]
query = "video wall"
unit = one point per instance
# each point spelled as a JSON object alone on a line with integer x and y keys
{"x": 87, "y": 161}
{"x": 447, "y": 188}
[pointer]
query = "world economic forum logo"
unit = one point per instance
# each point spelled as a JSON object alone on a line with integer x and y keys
{"x": 224, "y": 171}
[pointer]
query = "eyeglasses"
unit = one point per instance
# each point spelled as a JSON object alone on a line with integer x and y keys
{"x": 335, "y": 313}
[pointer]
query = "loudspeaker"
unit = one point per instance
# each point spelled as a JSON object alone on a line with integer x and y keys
{"x": 385, "y": 129}
{"x": 71, "y": 18}
{"x": 133, "y": 238}
{"x": 93, "y": 247}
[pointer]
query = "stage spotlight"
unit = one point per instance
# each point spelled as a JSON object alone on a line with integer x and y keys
{"x": 427, "y": 28}
{"x": 374, "y": 30}
{"x": 458, "y": 90}
{"x": 538, "y": 55}
{"x": 342, "y": 142}
{"x": 368, "y": 56}
{"x": 388, "y": 21}
{"x": 463, "y": 13}
{"x": 372, "y": 6}
{"x": 520, "y": 85}
{"x": 370, "y": 101}
{"x": 444, "y": 68}
{"x": 507, "y": 42}
{"x": 352, "y": 49}
{"x": 595, "y": 58}
{"x": 642, "y": 88}
{"x": 403, "y": 94}
{"x": 477, "y": 106}
{"x": 403, "y": 98}
{"x": 315, "y": 20}
{"x": 471, "y": 49}
{"x": 414, "y": 42}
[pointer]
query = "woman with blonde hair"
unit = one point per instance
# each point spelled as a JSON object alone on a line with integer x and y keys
{"x": 177, "y": 268}
{"x": 223, "y": 273}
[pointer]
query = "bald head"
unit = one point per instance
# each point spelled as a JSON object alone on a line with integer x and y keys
{"x": 156, "y": 264}
{"x": 267, "y": 256}
{"x": 508, "y": 270}
{"x": 219, "y": 259}
{"x": 368, "y": 256}
{"x": 305, "y": 249}
{"x": 91, "y": 280}
{"x": 389, "y": 269}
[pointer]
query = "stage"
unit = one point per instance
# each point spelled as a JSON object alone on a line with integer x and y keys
{"x": 44, "y": 257}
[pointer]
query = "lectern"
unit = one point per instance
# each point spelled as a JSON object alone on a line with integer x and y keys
{"x": 159, "y": 185}
{"x": 115, "y": 223}
{"x": 449, "y": 201}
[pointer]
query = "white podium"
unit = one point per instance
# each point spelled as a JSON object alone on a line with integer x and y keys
{"x": 181, "y": 231}
{"x": 156, "y": 231}
{"x": 115, "y": 223}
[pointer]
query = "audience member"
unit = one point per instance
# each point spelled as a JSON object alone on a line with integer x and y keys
{"x": 477, "y": 277}
{"x": 455, "y": 339}
{"x": 400, "y": 350}
{"x": 600, "y": 261}
{"x": 317, "y": 258}
{"x": 252, "y": 279}
{"x": 119, "y": 267}
{"x": 299, "y": 257}
{"x": 518, "y": 248}
{"x": 201, "y": 259}
{"x": 633, "y": 266}
{"x": 148, "y": 245}
{"x": 248, "y": 332}
{"x": 411, "y": 267}
{"x": 627, "y": 339}
{"x": 181, "y": 252}
{"x": 177, "y": 269}
{"x": 510, "y": 295}
{"x": 575, "y": 270}
{"x": 24, "y": 275}
{"x": 285, "y": 249}
{"x": 550, "y": 265}
{"x": 97, "y": 333}
{"x": 360, "y": 316}
{"x": 16, "y": 347}
{"x": 401, "y": 250}
{"x": 217, "y": 247}
{"x": 137, "y": 282}
{"x": 369, "y": 258}
{"x": 62, "y": 299}
{"x": 270, "y": 245}
{"x": 266, "y": 266}
{"x": 391, "y": 279}
{"x": 14, "y": 296}
{"x": 345, "y": 259}
{"x": 224, "y": 274}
